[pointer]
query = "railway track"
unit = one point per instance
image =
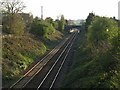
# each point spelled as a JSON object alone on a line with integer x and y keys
{"x": 45, "y": 72}
{"x": 50, "y": 78}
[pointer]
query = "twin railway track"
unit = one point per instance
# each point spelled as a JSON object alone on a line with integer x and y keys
{"x": 44, "y": 74}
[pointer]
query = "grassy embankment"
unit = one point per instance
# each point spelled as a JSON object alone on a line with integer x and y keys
{"x": 20, "y": 51}
{"x": 94, "y": 67}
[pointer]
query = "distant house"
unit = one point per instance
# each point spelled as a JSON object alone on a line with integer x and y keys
{"x": 71, "y": 22}
{"x": 27, "y": 18}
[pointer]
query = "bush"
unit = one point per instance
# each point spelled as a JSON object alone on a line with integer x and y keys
{"x": 13, "y": 24}
{"x": 42, "y": 28}
{"x": 97, "y": 61}
{"x": 102, "y": 33}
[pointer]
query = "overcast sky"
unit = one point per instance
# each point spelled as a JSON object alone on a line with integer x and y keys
{"x": 72, "y": 9}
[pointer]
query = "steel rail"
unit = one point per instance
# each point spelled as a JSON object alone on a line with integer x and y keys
{"x": 50, "y": 70}
{"x": 37, "y": 72}
{"x": 61, "y": 66}
{"x": 37, "y": 65}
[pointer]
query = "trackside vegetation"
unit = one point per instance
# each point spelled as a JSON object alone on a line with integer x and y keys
{"x": 97, "y": 58}
{"x": 19, "y": 51}
{"x": 25, "y": 39}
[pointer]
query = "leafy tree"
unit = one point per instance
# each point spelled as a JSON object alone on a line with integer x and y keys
{"x": 13, "y": 24}
{"x": 89, "y": 20}
{"x": 42, "y": 27}
{"x": 103, "y": 31}
{"x": 49, "y": 20}
{"x": 53, "y": 23}
{"x": 61, "y": 23}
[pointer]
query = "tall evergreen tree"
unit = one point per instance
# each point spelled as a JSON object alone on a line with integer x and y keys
{"x": 61, "y": 23}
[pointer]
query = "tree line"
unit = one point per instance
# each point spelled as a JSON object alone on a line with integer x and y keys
{"x": 15, "y": 22}
{"x": 96, "y": 63}
{"x": 102, "y": 43}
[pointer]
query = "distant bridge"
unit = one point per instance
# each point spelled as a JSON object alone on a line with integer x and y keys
{"x": 68, "y": 27}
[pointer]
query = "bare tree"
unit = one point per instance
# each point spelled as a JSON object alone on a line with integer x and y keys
{"x": 12, "y": 21}
{"x": 12, "y": 6}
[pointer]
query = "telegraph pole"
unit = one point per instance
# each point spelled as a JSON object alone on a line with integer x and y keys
{"x": 41, "y": 12}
